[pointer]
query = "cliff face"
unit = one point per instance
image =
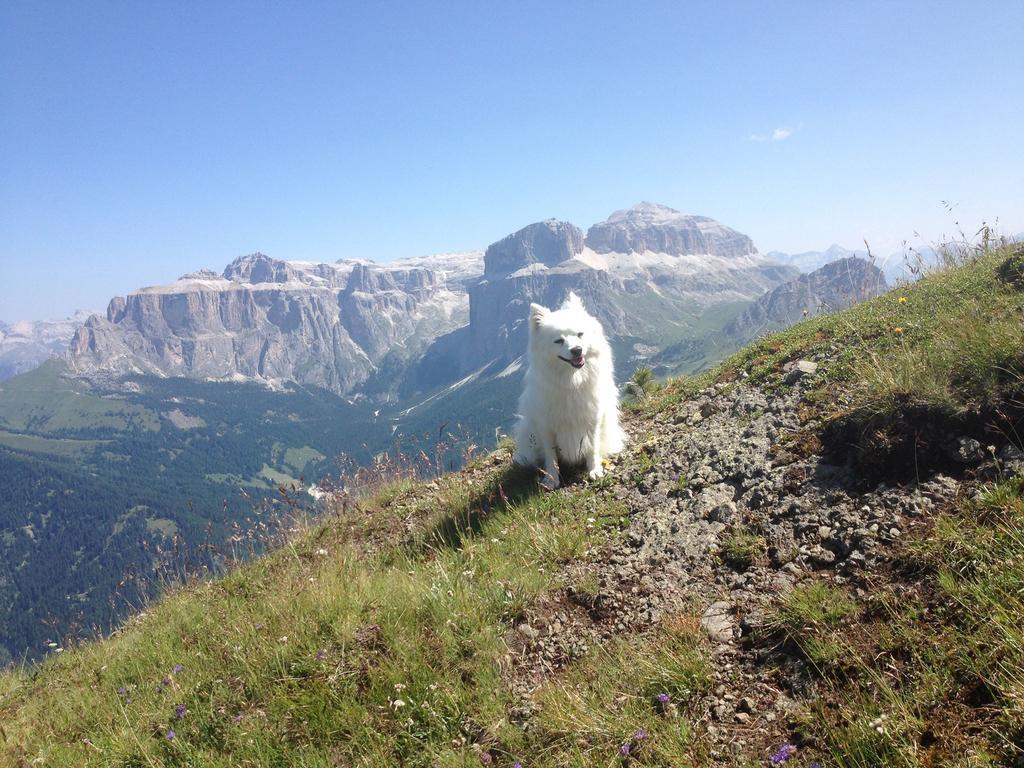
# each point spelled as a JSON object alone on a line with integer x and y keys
{"x": 326, "y": 325}
{"x": 547, "y": 242}
{"x": 835, "y": 286}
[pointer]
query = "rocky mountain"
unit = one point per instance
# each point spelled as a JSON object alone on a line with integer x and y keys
{"x": 834, "y": 286}
{"x": 649, "y": 272}
{"x": 808, "y": 261}
{"x": 547, "y": 243}
{"x": 660, "y": 229}
{"x": 25, "y": 344}
{"x": 263, "y": 319}
{"x": 904, "y": 265}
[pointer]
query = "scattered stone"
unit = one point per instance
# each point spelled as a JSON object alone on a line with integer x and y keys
{"x": 967, "y": 450}
{"x": 800, "y": 369}
{"x": 527, "y": 631}
{"x": 717, "y": 621}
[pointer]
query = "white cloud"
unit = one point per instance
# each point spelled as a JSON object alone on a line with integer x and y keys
{"x": 779, "y": 134}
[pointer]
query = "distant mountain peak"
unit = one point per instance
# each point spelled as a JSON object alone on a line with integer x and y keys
{"x": 258, "y": 268}
{"x": 650, "y": 212}
{"x": 657, "y": 228}
{"x": 547, "y": 242}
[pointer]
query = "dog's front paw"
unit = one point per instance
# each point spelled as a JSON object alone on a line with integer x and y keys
{"x": 550, "y": 482}
{"x": 596, "y": 472}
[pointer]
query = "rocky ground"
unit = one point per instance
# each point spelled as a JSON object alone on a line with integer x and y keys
{"x": 731, "y": 504}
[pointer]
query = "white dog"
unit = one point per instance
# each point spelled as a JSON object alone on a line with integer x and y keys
{"x": 569, "y": 409}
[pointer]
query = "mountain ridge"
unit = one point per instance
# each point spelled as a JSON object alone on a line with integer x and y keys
{"x": 341, "y": 325}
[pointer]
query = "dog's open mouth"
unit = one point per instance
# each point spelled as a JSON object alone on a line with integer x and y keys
{"x": 575, "y": 362}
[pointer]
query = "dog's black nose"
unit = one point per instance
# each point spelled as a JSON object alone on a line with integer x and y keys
{"x": 576, "y": 351}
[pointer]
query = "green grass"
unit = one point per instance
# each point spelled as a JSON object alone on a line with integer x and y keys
{"x": 313, "y": 645}
{"x": 297, "y": 459}
{"x": 812, "y": 617}
{"x": 63, "y": 447}
{"x": 742, "y": 548}
{"x": 604, "y": 702}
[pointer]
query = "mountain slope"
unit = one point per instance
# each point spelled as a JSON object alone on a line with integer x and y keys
{"x": 836, "y": 285}
{"x": 102, "y": 485}
{"x": 748, "y": 582}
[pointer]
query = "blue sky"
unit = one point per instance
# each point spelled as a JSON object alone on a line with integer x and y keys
{"x": 139, "y": 141}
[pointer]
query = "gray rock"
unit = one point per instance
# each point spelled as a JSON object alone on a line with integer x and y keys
{"x": 528, "y": 632}
{"x": 800, "y": 369}
{"x": 967, "y": 450}
{"x": 724, "y": 513}
{"x": 547, "y": 242}
{"x": 658, "y": 228}
{"x": 717, "y": 621}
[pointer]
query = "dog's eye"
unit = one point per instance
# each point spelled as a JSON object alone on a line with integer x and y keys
{"x": 559, "y": 341}
{"x": 580, "y": 334}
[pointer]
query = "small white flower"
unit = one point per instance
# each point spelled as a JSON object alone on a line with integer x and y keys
{"x": 397, "y": 704}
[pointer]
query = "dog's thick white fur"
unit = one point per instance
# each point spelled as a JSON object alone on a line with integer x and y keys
{"x": 569, "y": 409}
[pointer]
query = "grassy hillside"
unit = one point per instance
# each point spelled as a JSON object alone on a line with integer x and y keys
{"x": 105, "y": 488}
{"x": 815, "y": 564}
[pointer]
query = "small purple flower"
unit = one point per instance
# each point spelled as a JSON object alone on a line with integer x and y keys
{"x": 178, "y": 668}
{"x": 664, "y": 699}
{"x": 815, "y": 764}
{"x": 166, "y": 680}
{"x": 782, "y": 754}
{"x": 321, "y": 654}
{"x": 517, "y": 764}
{"x": 259, "y": 626}
{"x": 122, "y": 691}
{"x": 171, "y": 734}
{"x": 237, "y": 718}
{"x": 179, "y": 711}
{"x": 485, "y": 758}
{"x": 624, "y": 749}
{"x": 640, "y": 735}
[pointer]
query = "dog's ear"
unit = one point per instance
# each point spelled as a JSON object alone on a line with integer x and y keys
{"x": 572, "y": 301}
{"x": 537, "y": 315}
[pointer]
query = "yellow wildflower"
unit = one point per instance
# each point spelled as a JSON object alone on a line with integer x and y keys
{"x": 897, "y": 330}
{"x": 902, "y": 299}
